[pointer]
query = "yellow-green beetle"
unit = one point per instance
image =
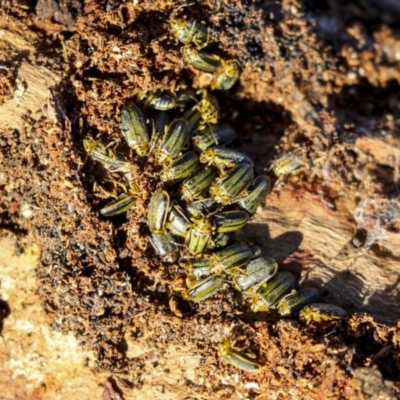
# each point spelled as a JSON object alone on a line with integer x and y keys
{"x": 225, "y": 76}
{"x": 320, "y": 312}
{"x": 259, "y": 270}
{"x": 159, "y": 100}
{"x": 124, "y": 202}
{"x": 160, "y": 123}
{"x": 202, "y": 60}
{"x": 193, "y": 118}
{"x": 101, "y": 153}
{"x": 165, "y": 246}
{"x": 292, "y": 303}
{"x": 290, "y": 163}
{"x": 230, "y": 258}
{"x": 190, "y": 32}
{"x": 208, "y": 108}
{"x": 220, "y": 240}
{"x": 199, "y": 235}
{"x": 178, "y": 223}
{"x": 199, "y": 267}
{"x": 203, "y": 289}
{"x": 230, "y": 221}
{"x": 234, "y": 357}
{"x": 197, "y": 183}
{"x": 255, "y": 194}
{"x": 224, "y": 158}
{"x": 159, "y": 208}
{"x": 134, "y": 128}
{"x": 202, "y": 207}
{"x": 226, "y": 190}
{"x": 223, "y": 261}
{"x": 270, "y": 293}
{"x": 214, "y": 135}
{"x": 173, "y": 142}
{"x": 257, "y": 252}
{"x": 181, "y": 168}
{"x": 184, "y": 97}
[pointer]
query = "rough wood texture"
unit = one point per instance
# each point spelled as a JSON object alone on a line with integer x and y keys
{"x": 30, "y": 93}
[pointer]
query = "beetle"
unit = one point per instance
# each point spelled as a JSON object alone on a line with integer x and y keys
{"x": 255, "y": 194}
{"x": 199, "y": 235}
{"x": 199, "y": 267}
{"x": 165, "y": 246}
{"x": 223, "y": 261}
{"x": 202, "y": 207}
{"x": 230, "y": 221}
{"x": 197, "y": 183}
{"x": 320, "y": 312}
{"x": 225, "y": 76}
{"x": 101, "y": 153}
{"x": 202, "y": 60}
{"x": 227, "y": 189}
{"x": 160, "y": 123}
{"x": 289, "y": 163}
{"x": 208, "y": 108}
{"x": 230, "y": 258}
{"x": 203, "y": 289}
{"x": 173, "y": 142}
{"x": 184, "y": 97}
{"x": 257, "y": 252}
{"x": 233, "y": 356}
{"x": 134, "y": 128}
{"x": 190, "y": 32}
{"x": 123, "y": 203}
{"x": 220, "y": 240}
{"x": 258, "y": 270}
{"x": 292, "y": 303}
{"x": 213, "y": 135}
{"x": 178, "y": 223}
{"x": 224, "y": 158}
{"x": 181, "y": 168}
{"x": 159, "y": 100}
{"x": 268, "y": 294}
{"x": 159, "y": 207}
{"x": 193, "y": 118}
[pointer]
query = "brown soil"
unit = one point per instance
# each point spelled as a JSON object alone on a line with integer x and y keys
{"x": 88, "y": 310}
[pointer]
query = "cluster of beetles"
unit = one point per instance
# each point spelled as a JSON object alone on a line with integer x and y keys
{"x": 206, "y": 192}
